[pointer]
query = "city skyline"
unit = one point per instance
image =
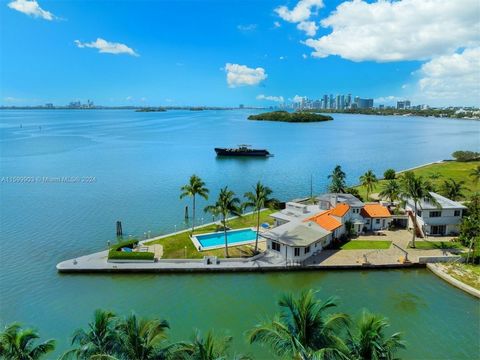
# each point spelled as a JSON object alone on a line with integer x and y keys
{"x": 262, "y": 54}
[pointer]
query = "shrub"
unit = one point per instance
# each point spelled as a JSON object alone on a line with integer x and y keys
{"x": 116, "y": 254}
{"x": 466, "y": 155}
{"x": 122, "y": 255}
{"x": 389, "y": 174}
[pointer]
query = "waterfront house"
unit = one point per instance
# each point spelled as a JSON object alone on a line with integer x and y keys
{"x": 302, "y": 230}
{"x": 436, "y": 219}
{"x": 376, "y": 216}
{"x": 297, "y": 240}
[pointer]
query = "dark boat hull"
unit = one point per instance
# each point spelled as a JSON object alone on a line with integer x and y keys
{"x": 237, "y": 152}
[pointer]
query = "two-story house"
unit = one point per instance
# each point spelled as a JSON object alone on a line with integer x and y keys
{"x": 442, "y": 218}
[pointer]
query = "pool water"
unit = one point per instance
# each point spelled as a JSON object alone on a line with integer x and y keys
{"x": 233, "y": 237}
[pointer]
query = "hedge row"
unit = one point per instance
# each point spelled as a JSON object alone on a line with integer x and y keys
{"x": 115, "y": 252}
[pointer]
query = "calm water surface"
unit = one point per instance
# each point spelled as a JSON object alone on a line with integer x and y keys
{"x": 139, "y": 161}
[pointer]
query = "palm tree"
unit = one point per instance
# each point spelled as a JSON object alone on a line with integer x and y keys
{"x": 368, "y": 180}
{"x": 369, "y": 341}
{"x": 475, "y": 174}
{"x": 206, "y": 347}
{"x": 302, "y": 330}
{"x": 338, "y": 184}
{"x": 390, "y": 190}
{"x": 19, "y": 344}
{"x": 195, "y": 187}
{"x": 100, "y": 340}
{"x": 416, "y": 189}
{"x": 259, "y": 199}
{"x": 144, "y": 339}
{"x": 225, "y": 205}
{"x": 453, "y": 189}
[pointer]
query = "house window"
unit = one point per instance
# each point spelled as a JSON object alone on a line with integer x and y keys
{"x": 435, "y": 213}
{"x": 419, "y": 213}
{"x": 377, "y": 221}
{"x": 275, "y": 246}
{"x": 307, "y": 249}
{"x": 457, "y": 213}
{"x": 297, "y": 252}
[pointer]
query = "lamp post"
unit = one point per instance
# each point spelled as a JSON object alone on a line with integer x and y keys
{"x": 185, "y": 252}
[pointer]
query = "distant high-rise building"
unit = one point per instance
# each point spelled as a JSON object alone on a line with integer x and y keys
{"x": 342, "y": 102}
{"x": 325, "y": 102}
{"x": 401, "y": 105}
{"x": 49, "y": 106}
{"x": 75, "y": 104}
{"x": 363, "y": 103}
{"x": 331, "y": 105}
{"x": 241, "y": 106}
{"x": 337, "y": 102}
{"x": 348, "y": 101}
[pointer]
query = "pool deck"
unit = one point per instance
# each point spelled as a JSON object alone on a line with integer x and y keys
{"x": 196, "y": 242}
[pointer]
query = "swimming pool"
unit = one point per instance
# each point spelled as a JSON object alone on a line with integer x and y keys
{"x": 217, "y": 239}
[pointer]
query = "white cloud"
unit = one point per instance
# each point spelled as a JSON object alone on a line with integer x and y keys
{"x": 398, "y": 30}
{"x": 270, "y": 98}
{"x": 282, "y": 58}
{"x": 304, "y": 56}
{"x": 276, "y": 24}
{"x": 247, "y": 28}
{"x": 300, "y": 14}
{"x": 298, "y": 99}
{"x": 455, "y": 77}
{"x": 309, "y": 27}
{"x": 388, "y": 99}
{"x": 12, "y": 99}
{"x": 105, "y": 46}
{"x": 240, "y": 75}
{"x": 128, "y": 98}
{"x": 31, "y": 8}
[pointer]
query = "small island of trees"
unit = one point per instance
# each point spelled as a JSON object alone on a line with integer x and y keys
{"x": 151, "y": 109}
{"x": 290, "y": 117}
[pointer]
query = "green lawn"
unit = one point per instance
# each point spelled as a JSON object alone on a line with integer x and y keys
{"x": 366, "y": 245}
{"x": 174, "y": 246}
{"x": 430, "y": 245}
{"x": 458, "y": 171}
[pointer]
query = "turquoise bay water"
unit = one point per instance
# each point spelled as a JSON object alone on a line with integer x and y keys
{"x": 233, "y": 237}
{"x": 138, "y": 161}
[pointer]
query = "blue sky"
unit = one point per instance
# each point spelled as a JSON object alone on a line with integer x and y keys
{"x": 176, "y": 52}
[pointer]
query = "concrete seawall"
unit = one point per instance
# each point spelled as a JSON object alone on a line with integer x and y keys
{"x": 437, "y": 270}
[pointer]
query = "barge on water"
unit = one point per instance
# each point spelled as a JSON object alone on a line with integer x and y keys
{"x": 242, "y": 150}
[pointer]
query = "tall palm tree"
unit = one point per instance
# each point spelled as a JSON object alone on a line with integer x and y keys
{"x": 19, "y": 344}
{"x": 475, "y": 174}
{"x": 100, "y": 340}
{"x": 226, "y": 204}
{"x": 369, "y": 179}
{"x": 390, "y": 190}
{"x": 195, "y": 187}
{"x": 144, "y": 339}
{"x": 453, "y": 189}
{"x": 416, "y": 189}
{"x": 302, "y": 330}
{"x": 369, "y": 341}
{"x": 338, "y": 184}
{"x": 258, "y": 200}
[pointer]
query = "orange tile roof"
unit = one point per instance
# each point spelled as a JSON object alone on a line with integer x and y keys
{"x": 340, "y": 210}
{"x": 325, "y": 220}
{"x": 375, "y": 211}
